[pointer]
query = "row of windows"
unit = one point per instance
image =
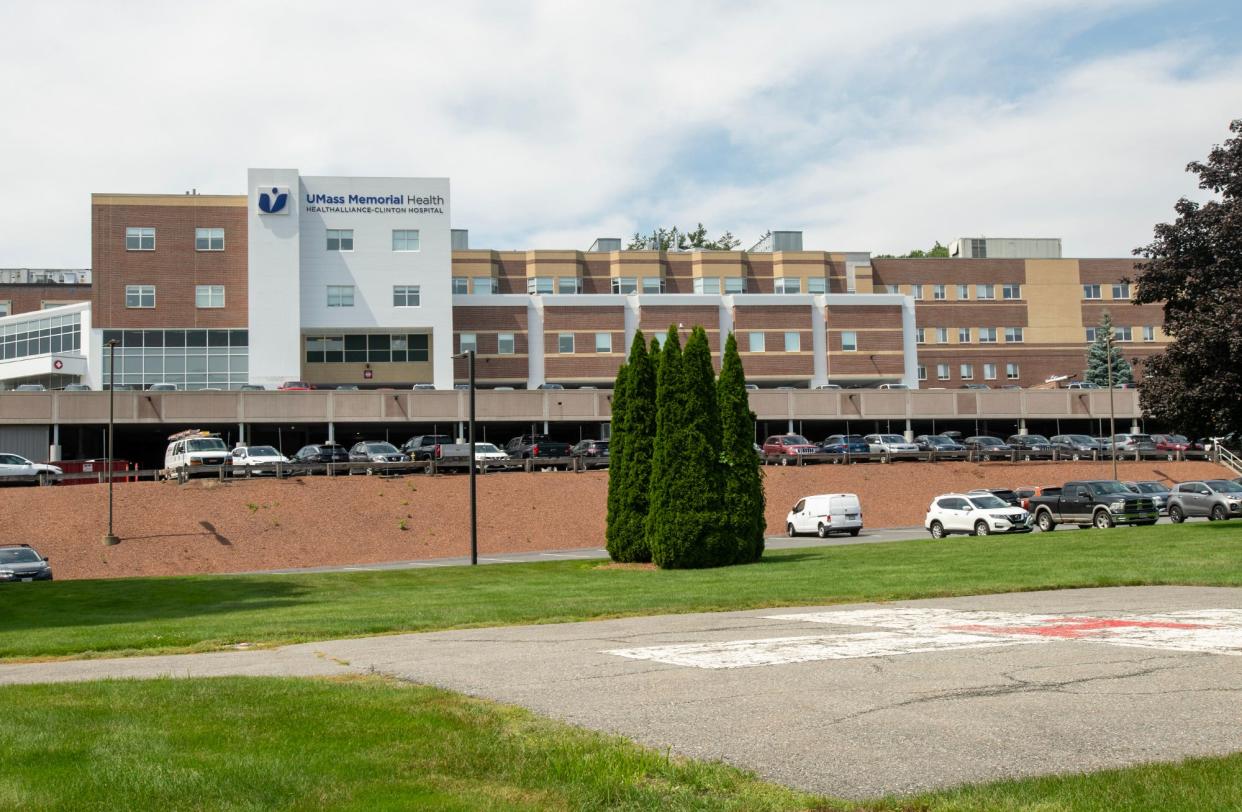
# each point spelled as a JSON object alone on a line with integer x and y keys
{"x": 373, "y": 348}
{"x": 940, "y": 293}
{"x": 143, "y": 296}
{"x": 142, "y": 238}
{"x": 548, "y": 285}
{"x": 1121, "y": 290}
{"x": 131, "y": 339}
{"x": 188, "y": 359}
{"x": 966, "y": 372}
{"x": 966, "y": 335}
{"x": 41, "y": 337}
{"x": 1124, "y": 333}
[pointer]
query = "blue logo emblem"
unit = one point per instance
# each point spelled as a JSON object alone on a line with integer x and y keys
{"x": 274, "y": 202}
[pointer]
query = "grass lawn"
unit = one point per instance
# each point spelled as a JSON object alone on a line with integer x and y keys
{"x": 150, "y": 615}
{"x": 372, "y": 744}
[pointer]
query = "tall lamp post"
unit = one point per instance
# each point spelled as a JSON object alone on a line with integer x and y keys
{"x": 110, "y": 539}
{"x": 1112, "y": 410}
{"x": 474, "y": 498}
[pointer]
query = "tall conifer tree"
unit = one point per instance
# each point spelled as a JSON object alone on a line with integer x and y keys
{"x": 629, "y": 476}
{"x": 743, "y": 502}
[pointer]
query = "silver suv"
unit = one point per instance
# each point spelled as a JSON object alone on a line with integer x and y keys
{"x": 1216, "y": 499}
{"x": 22, "y": 563}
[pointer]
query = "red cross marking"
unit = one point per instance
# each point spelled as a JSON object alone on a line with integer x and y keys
{"x": 1072, "y": 628}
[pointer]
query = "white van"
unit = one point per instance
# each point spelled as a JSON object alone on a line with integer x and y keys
{"x": 824, "y": 514}
{"x": 197, "y": 451}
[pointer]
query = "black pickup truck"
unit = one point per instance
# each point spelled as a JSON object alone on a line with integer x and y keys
{"x": 1093, "y": 503}
{"x": 535, "y": 446}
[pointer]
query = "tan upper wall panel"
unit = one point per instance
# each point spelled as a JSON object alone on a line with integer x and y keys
{"x": 1053, "y": 301}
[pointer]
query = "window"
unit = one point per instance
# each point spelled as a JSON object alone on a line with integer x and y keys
{"x": 603, "y": 342}
{"x": 793, "y": 342}
{"x": 920, "y": 335}
{"x": 340, "y": 239}
{"x": 967, "y": 371}
{"x": 467, "y": 342}
{"x": 139, "y": 239}
{"x": 504, "y": 344}
{"x": 568, "y": 284}
{"x": 916, "y": 291}
{"x": 942, "y": 372}
{"x": 209, "y": 295}
{"x": 1091, "y": 292}
{"x": 653, "y": 284}
{"x": 140, "y": 296}
{"x": 963, "y": 335}
{"x": 624, "y": 284}
{"x": 565, "y": 343}
{"x": 922, "y": 372}
{"x": 734, "y": 285}
{"x": 816, "y": 285}
{"x": 787, "y": 284}
{"x": 1013, "y": 335}
{"x": 405, "y": 296}
{"x": 938, "y": 293}
{"x": 989, "y": 372}
{"x": 6, "y": 307}
{"x": 208, "y": 239}
{"x": 1011, "y": 291}
{"x": 1149, "y": 333}
{"x": 461, "y": 285}
{"x": 404, "y": 239}
{"x": 1121, "y": 290}
{"x": 483, "y": 285}
{"x": 942, "y": 335}
{"x": 985, "y": 291}
{"x": 1091, "y": 335}
{"x": 963, "y": 292}
{"x": 756, "y": 342}
{"x": 707, "y": 284}
{"x": 979, "y": 248}
{"x": 892, "y": 289}
{"x": 340, "y": 295}
{"x": 539, "y": 284}
{"x": 849, "y": 341}
{"x": 1011, "y": 372}
{"x": 1123, "y": 333}
{"x": 987, "y": 335}
{"x": 661, "y": 339}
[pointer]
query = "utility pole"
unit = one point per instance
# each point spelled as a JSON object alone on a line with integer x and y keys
{"x": 1112, "y": 411}
{"x": 110, "y": 539}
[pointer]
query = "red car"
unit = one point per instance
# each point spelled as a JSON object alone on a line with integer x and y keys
{"x": 787, "y": 447}
{"x": 295, "y": 386}
{"x": 1170, "y": 442}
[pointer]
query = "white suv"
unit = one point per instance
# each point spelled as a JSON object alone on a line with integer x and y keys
{"x": 976, "y": 514}
{"x": 892, "y": 444}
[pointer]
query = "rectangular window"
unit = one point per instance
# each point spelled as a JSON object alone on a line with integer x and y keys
{"x": 1091, "y": 292}
{"x": 140, "y": 296}
{"x": 793, "y": 342}
{"x": 623, "y": 284}
{"x": 461, "y": 285}
{"x": 355, "y": 349}
{"x": 541, "y": 285}
{"x": 963, "y": 292}
{"x": 892, "y": 288}
{"x": 787, "y": 284}
{"x": 1149, "y": 333}
{"x": 979, "y": 248}
{"x": 989, "y": 372}
{"x": 504, "y": 344}
{"x": 139, "y": 239}
{"x": 734, "y": 285}
{"x": 985, "y": 292}
{"x": 340, "y": 239}
{"x": 963, "y": 335}
{"x": 1090, "y": 335}
{"x": 1011, "y": 372}
{"x": 916, "y": 292}
{"x": 1011, "y": 291}
{"x": 707, "y": 284}
{"x": 938, "y": 293}
{"x": 406, "y": 296}
{"x": 603, "y": 342}
{"x": 849, "y": 341}
{"x": 1121, "y": 290}
{"x": 420, "y": 347}
{"x": 484, "y": 285}
{"x": 816, "y": 285}
{"x": 565, "y": 343}
{"x": 942, "y": 372}
{"x": 653, "y": 284}
{"x": 942, "y": 335}
{"x": 5, "y": 307}
{"x": 967, "y": 372}
{"x": 340, "y": 295}
{"x": 568, "y": 284}
{"x": 920, "y": 335}
{"x": 209, "y": 295}
{"x": 922, "y": 372}
{"x": 208, "y": 239}
{"x": 467, "y": 342}
{"x": 1013, "y": 335}
{"x": 1124, "y": 333}
{"x": 987, "y": 335}
{"x": 405, "y": 239}
{"x": 756, "y": 342}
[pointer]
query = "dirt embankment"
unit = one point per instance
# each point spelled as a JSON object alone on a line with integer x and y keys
{"x": 207, "y": 526}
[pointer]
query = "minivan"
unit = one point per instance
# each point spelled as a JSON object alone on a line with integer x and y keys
{"x": 824, "y": 514}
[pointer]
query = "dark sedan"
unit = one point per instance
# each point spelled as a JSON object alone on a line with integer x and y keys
{"x": 377, "y": 452}
{"x": 589, "y": 448}
{"x": 22, "y": 563}
{"x": 988, "y": 447}
{"x": 1077, "y": 446}
{"x": 321, "y": 454}
{"x": 1031, "y": 446}
{"x": 939, "y": 443}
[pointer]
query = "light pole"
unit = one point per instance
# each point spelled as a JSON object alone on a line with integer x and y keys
{"x": 1112, "y": 411}
{"x": 110, "y": 539}
{"x": 474, "y": 498}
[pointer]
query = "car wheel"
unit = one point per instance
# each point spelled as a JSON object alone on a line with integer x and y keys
{"x": 1176, "y": 516}
{"x": 1044, "y": 520}
{"x": 1218, "y": 513}
{"x": 822, "y": 530}
{"x": 855, "y": 532}
{"x": 981, "y": 528}
{"x": 1102, "y": 520}
{"x": 1074, "y": 457}
{"x": 937, "y": 530}
{"x": 789, "y": 530}
{"x": 784, "y": 459}
{"x": 43, "y": 479}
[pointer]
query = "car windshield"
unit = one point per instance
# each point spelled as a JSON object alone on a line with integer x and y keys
{"x": 263, "y": 451}
{"x": 206, "y": 444}
{"x": 1080, "y": 439}
{"x": 988, "y": 441}
{"x": 381, "y": 448}
{"x": 1176, "y": 438}
{"x": 892, "y": 438}
{"x": 988, "y": 502}
{"x": 794, "y": 439}
{"x": 21, "y": 555}
{"x": 486, "y": 448}
{"x": 1107, "y": 486}
{"x": 1037, "y": 438}
{"x": 1224, "y": 486}
{"x": 1150, "y": 487}
{"x": 938, "y": 440}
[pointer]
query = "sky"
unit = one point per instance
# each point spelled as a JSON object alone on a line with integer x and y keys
{"x": 875, "y": 126}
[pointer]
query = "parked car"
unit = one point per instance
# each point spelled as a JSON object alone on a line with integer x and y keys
{"x": 752, "y": 386}
{"x": 978, "y": 514}
{"x": 787, "y": 447}
{"x": 252, "y": 387}
{"x": 76, "y": 387}
{"x": 825, "y": 514}
{"x": 423, "y": 446}
{"x": 550, "y": 386}
{"x": 1031, "y": 446}
{"x": 423, "y": 387}
{"x": 195, "y": 451}
{"x": 321, "y": 454}
{"x": 244, "y": 458}
{"x": 1010, "y": 496}
{"x": 295, "y": 386}
{"x": 975, "y": 386}
{"x": 845, "y": 444}
{"x": 1216, "y": 499}
{"x": 16, "y": 468}
{"x": 1131, "y": 444}
{"x": 1171, "y": 444}
{"x": 988, "y": 447}
{"x": 377, "y": 451}
{"x": 347, "y": 387}
{"x": 1093, "y": 503}
{"x": 20, "y": 562}
{"x": 590, "y": 450}
{"x": 892, "y": 386}
{"x": 1075, "y": 446}
{"x": 894, "y": 445}
{"x": 30, "y": 387}
{"x": 488, "y": 452}
{"x": 829, "y": 386}
{"x": 1158, "y": 491}
{"x": 1082, "y": 385}
{"x": 535, "y": 446}
{"x": 162, "y": 387}
{"x": 940, "y": 444}
{"x": 1026, "y": 492}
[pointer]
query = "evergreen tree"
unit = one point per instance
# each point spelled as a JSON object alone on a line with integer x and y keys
{"x": 1097, "y": 357}
{"x": 629, "y": 476}
{"x": 743, "y": 500}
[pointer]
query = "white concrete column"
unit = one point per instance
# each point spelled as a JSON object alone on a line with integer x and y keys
{"x": 909, "y": 345}
{"x": 819, "y": 341}
{"x": 534, "y": 340}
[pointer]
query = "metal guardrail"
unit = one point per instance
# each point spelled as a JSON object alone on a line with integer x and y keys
{"x": 977, "y": 456}
{"x": 1229, "y": 459}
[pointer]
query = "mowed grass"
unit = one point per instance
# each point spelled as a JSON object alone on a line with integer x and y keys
{"x": 244, "y": 743}
{"x": 161, "y": 615}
